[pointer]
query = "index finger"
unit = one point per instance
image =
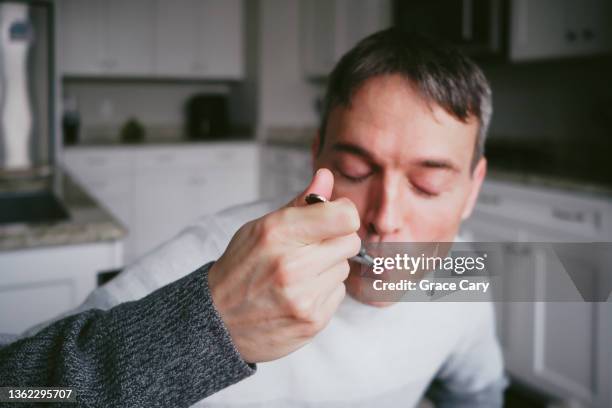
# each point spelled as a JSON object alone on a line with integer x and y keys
{"x": 318, "y": 222}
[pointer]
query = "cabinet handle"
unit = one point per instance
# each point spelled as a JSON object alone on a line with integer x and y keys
{"x": 198, "y": 66}
{"x": 570, "y": 36}
{"x": 96, "y": 161}
{"x": 164, "y": 158}
{"x": 98, "y": 185}
{"x": 516, "y": 249}
{"x": 568, "y": 216}
{"x": 466, "y": 20}
{"x": 198, "y": 181}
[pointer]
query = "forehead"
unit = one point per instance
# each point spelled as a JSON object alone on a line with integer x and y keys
{"x": 390, "y": 119}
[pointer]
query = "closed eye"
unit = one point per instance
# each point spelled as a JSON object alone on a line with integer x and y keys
{"x": 424, "y": 193}
{"x": 354, "y": 179}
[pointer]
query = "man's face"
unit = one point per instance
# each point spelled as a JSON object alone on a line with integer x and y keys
{"x": 406, "y": 164}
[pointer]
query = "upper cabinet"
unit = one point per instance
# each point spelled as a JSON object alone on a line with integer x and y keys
{"x": 151, "y": 38}
{"x": 559, "y": 28}
{"x": 329, "y": 28}
{"x": 82, "y": 29}
{"x": 199, "y": 38}
{"x": 130, "y": 36}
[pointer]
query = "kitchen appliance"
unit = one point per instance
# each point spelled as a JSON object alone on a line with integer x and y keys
{"x": 206, "y": 117}
{"x": 473, "y": 26}
{"x": 26, "y": 88}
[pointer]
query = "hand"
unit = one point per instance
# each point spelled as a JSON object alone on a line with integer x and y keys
{"x": 281, "y": 277}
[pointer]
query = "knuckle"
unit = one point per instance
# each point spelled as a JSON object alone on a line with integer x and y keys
{"x": 281, "y": 272}
{"x": 313, "y": 327}
{"x": 265, "y": 228}
{"x": 317, "y": 325}
{"x": 284, "y": 215}
{"x": 302, "y": 309}
{"x": 354, "y": 243}
{"x": 345, "y": 270}
{"x": 342, "y": 290}
{"x": 350, "y": 215}
{"x": 308, "y": 331}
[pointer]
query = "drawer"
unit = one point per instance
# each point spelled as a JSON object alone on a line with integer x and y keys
{"x": 196, "y": 157}
{"x": 98, "y": 162}
{"x": 565, "y": 213}
{"x": 44, "y": 300}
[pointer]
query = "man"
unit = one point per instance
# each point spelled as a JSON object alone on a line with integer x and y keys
{"x": 402, "y": 131}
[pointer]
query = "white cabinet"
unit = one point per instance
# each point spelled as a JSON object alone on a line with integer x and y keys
{"x": 105, "y": 37}
{"x": 199, "y": 38}
{"x": 155, "y": 191}
{"x": 130, "y": 37}
{"x": 81, "y": 36}
{"x": 329, "y": 28}
{"x": 284, "y": 170}
{"x": 41, "y": 283}
{"x": 151, "y": 38}
{"x": 559, "y": 28}
{"x": 561, "y": 348}
{"x": 104, "y": 175}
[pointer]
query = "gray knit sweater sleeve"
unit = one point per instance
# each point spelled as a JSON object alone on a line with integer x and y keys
{"x": 168, "y": 349}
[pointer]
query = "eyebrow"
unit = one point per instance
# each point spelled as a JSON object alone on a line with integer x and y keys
{"x": 353, "y": 149}
{"x": 438, "y": 164}
{"x": 442, "y": 164}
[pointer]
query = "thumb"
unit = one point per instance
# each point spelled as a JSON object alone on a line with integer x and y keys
{"x": 322, "y": 183}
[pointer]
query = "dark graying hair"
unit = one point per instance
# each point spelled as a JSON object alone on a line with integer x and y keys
{"x": 441, "y": 74}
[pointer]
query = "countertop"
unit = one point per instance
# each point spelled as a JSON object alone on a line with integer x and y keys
{"x": 88, "y": 222}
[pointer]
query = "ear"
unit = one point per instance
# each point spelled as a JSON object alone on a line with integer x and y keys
{"x": 477, "y": 178}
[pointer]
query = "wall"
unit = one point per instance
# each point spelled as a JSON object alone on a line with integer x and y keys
{"x": 106, "y": 104}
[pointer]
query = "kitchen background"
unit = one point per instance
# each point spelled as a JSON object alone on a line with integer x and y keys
{"x": 138, "y": 116}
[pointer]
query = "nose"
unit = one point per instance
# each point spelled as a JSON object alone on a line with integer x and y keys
{"x": 386, "y": 211}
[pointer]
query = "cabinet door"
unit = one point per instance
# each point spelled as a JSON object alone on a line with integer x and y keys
{"x": 82, "y": 36}
{"x": 329, "y": 28}
{"x": 199, "y": 38}
{"x": 39, "y": 284}
{"x": 568, "y": 337}
{"x": 589, "y": 22}
{"x": 483, "y": 227}
{"x": 107, "y": 176}
{"x": 285, "y": 171}
{"x": 358, "y": 19}
{"x": 318, "y": 36}
{"x": 130, "y": 37}
{"x": 161, "y": 208}
{"x": 175, "y": 39}
{"x": 558, "y": 28}
{"x": 219, "y": 46}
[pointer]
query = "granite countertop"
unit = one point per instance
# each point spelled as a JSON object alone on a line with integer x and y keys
{"x": 88, "y": 222}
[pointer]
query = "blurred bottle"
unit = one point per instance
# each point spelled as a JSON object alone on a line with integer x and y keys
{"x": 16, "y": 36}
{"x": 71, "y": 121}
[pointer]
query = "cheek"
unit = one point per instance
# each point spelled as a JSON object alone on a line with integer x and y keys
{"x": 435, "y": 219}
